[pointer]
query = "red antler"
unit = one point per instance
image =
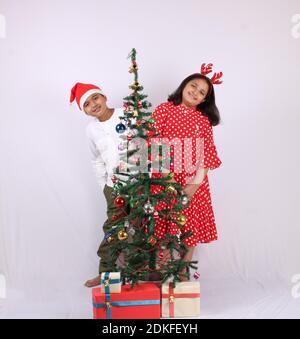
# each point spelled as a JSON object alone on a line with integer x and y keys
{"x": 206, "y": 69}
{"x": 216, "y": 78}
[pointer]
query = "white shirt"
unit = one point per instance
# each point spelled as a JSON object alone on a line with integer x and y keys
{"x": 103, "y": 140}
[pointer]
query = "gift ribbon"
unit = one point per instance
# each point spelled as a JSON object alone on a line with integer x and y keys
{"x": 172, "y": 296}
{"x": 110, "y": 281}
{"x": 108, "y": 304}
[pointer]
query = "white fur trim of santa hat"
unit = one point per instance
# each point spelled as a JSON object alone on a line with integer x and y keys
{"x": 86, "y": 95}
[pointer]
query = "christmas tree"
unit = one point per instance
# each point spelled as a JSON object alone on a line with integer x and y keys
{"x": 133, "y": 233}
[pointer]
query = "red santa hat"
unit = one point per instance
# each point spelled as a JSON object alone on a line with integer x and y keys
{"x": 81, "y": 92}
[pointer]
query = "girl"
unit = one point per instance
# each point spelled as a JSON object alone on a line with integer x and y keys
{"x": 189, "y": 115}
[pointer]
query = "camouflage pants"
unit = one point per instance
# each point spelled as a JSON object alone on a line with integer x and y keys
{"x": 107, "y": 260}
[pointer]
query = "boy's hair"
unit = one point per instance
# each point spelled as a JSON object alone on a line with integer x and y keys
{"x": 208, "y": 107}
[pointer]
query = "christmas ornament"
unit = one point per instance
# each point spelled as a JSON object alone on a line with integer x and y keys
{"x": 171, "y": 190}
{"x": 184, "y": 199}
{"x": 152, "y": 240}
{"x": 135, "y": 113}
{"x": 196, "y": 275}
{"x": 109, "y": 234}
{"x": 114, "y": 179}
{"x": 119, "y": 201}
{"x": 117, "y": 186}
{"x": 181, "y": 219}
{"x": 122, "y": 235}
{"x": 151, "y": 121}
{"x": 114, "y": 217}
{"x": 148, "y": 208}
{"x": 110, "y": 239}
{"x": 136, "y": 86}
{"x": 131, "y": 231}
{"x": 155, "y": 215}
{"x": 140, "y": 105}
{"x": 133, "y": 69}
{"x": 178, "y": 235}
{"x": 161, "y": 254}
{"x": 120, "y": 128}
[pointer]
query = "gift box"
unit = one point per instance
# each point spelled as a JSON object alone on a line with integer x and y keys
{"x": 138, "y": 302}
{"x": 111, "y": 282}
{"x": 181, "y": 301}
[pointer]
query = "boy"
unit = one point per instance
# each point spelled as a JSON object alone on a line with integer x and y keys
{"x": 103, "y": 141}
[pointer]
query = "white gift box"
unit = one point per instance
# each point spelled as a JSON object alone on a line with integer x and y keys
{"x": 181, "y": 301}
{"x": 111, "y": 282}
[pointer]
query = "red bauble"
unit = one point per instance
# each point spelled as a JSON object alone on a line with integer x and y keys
{"x": 119, "y": 202}
{"x": 114, "y": 217}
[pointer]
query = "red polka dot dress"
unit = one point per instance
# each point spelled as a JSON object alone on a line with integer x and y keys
{"x": 188, "y": 126}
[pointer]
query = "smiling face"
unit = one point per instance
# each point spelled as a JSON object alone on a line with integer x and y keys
{"x": 95, "y": 105}
{"x": 195, "y": 92}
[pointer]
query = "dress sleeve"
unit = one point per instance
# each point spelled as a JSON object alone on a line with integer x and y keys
{"x": 160, "y": 114}
{"x": 211, "y": 159}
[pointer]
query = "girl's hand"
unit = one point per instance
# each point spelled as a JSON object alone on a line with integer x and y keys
{"x": 190, "y": 189}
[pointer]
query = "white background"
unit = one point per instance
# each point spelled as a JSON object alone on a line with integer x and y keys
{"x": 51, "y": 210}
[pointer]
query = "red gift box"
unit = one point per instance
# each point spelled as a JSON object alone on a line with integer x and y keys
{"x": 138, "y": 302}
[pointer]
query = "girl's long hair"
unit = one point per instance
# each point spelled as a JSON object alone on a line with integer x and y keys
{"x": 208, "y": 107}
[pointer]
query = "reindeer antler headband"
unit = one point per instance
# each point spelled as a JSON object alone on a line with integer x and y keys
{"x": 215, "y": 78}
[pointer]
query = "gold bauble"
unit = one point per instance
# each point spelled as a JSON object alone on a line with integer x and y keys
{"x": 135, "y": 113}
{"x": 122, "y": 235}
{"x": 110, "y": 239}
{"x": 181, "y": 219}
{"x": 133, "y": 68}
{"x": 170, "y": 189}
